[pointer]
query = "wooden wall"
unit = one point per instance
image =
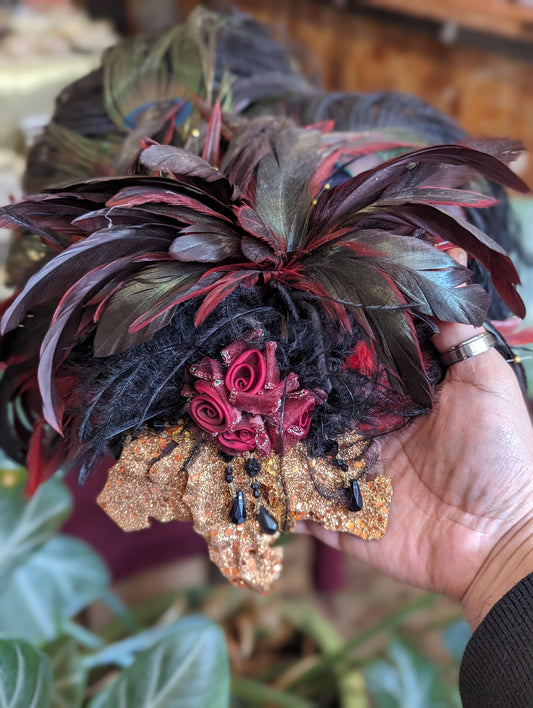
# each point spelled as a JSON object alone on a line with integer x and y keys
{"x": 488, "y": 92}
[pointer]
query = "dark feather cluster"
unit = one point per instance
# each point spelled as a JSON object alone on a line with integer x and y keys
{"x": 154, "y": 273}
{"x": 88, "y": 136}
{"x": 392, "y": 112}
{"x": 100, "y": 120}
{"x": 329, "y": 239}
{"x": 107, "y": 397}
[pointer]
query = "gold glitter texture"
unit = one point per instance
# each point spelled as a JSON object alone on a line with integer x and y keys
{"x": 173, "y": 475}
{"x": 315, "y": 491}
{"x": 149, "y": 479}
{"x": 242, "y": 551}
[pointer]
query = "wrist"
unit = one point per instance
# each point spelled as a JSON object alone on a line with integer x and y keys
{"x": 510, "y": 560}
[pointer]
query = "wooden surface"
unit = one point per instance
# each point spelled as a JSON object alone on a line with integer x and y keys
{"x": 488, "y": 93}
{"x": 499, "y": 17}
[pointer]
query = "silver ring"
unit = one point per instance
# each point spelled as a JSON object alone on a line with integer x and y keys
{"x": 472, "y": 347}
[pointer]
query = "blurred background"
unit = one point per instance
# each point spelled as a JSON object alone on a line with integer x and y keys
{"x": 395, "y": 646}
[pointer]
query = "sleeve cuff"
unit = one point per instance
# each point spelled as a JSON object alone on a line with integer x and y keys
{"x": 497, "y": 666}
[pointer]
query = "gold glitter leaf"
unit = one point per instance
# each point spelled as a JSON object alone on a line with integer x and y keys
{"x": 174, "y": 475}
{"x": 241, "y": 551}
{"x": 316, "y": 490}
{"x": 149, "y": 480}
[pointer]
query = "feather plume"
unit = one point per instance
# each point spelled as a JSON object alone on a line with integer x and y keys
{"x": 226, "y": 243}
{"x": 322, "y": 240}
{"x": 161, "y": 88}
{"x": 355, "y": 262}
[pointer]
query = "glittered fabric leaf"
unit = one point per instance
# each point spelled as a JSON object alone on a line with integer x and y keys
{"x": 175, "y": 475}
{"x": 149, "y": 480}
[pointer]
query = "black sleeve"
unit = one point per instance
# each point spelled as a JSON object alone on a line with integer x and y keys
{"x": 497, "y": 666}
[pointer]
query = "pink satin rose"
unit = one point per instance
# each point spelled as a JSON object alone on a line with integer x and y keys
{"x": 242, "y": 402}
{"x": 296, "y": 420}
{"x": 264, "y": 402}
{"x": 210, "y": 408}
{"x": 246, "y": 374}
{"x": 242, "y": 437}
{"x": 208, "y": 369}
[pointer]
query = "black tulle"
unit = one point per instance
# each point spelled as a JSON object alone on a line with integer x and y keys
{"x": 122, "y": 393}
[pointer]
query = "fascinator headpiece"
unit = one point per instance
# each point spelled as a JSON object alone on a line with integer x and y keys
{"x": 240, "y": 324}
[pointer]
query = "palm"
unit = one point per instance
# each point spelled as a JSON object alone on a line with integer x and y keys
{"x": 448, "y": 509}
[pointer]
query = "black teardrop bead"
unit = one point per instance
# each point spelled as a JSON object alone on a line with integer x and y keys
{"x": 252, "y": 466}
{"x": 225, "y": 456}
{"x": 237, "y": 512}
{"x": 342, "y": 464}
{"x": 354, "y": 499}
{"x": 266, "y": 521}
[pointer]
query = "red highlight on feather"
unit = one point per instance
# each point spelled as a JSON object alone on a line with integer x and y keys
{"x": 133, "y": 249}
{"x": 363, "y": 359}
{"x": 211, "y": 151}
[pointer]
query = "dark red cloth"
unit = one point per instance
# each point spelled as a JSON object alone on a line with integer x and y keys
{"x": 328, "y": 568}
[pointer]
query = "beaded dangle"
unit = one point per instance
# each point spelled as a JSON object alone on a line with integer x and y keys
{"x": 266, "y": 521}
{"x": 352, "y": 491}
{"x": 237, "y": 512}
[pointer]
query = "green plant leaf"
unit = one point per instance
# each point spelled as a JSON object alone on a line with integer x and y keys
{"x": 123, "y": 653}
{"x": 25, "y": 526}
{"x": 313, "y": 623}
{"x": 186, "y": 669}
{"x": 25, "y": 675}
{"x": 54, "y": 585}
{"x": 69, "y": 677}
{"x": 253, "y": 694}
{"x": 352, "y": 646}
{"x": 409, "y": 681}
{"x": 455, "y": 638}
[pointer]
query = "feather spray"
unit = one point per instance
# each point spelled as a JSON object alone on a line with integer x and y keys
{"x": 245, "y": 325}
{"x": 161, "y": 88}
{"x": 241, "y": 320}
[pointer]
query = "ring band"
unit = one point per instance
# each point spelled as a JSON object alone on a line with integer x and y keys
{"x": 472, "y": 347}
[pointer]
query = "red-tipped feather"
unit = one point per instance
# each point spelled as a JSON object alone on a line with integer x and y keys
{"x": 363, "y": 254}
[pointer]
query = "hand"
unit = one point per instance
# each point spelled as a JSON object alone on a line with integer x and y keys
{"x": 461, "y": 521}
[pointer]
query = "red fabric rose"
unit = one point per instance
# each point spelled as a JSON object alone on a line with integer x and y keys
{"x": 242, "y": 401}
{"x": 295, "y": 416}
{"x": 272, "y": 369}
{"x": 210, "y": 408}
{"x": 247, "y": 373}
{"x": 208, "y": 370}
{"x": 265, "y": 402}
{"x": 243, "y": 436}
